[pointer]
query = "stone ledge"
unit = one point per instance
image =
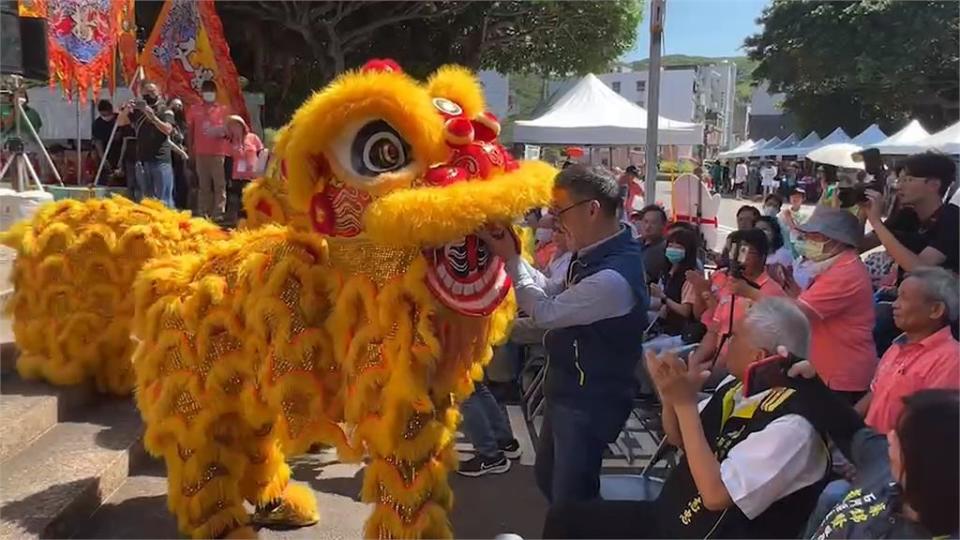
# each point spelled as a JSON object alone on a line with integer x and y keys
{"x": 52, "y": 486}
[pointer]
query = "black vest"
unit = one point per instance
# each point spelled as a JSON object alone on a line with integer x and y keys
{"x": 682, "y": 512}
{"x": 594, "y": 363}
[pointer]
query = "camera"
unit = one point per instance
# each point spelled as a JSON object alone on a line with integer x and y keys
{"x": 853, "y": 195}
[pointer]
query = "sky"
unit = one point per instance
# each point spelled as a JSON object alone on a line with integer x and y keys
{"x": 702, "y": 28}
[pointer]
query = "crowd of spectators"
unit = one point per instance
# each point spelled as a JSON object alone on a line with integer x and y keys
{"x": 825, "y": 445}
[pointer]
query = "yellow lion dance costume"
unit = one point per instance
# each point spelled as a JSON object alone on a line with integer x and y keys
{"x": 353, "y": 311}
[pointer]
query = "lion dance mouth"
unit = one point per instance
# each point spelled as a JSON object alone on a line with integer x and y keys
{"x": 467, "y": 277}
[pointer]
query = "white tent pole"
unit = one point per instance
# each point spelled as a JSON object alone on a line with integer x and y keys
{"x": 657, "y": 11}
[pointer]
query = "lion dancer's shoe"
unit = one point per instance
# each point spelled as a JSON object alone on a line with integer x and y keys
{"x": 297, "y": 507}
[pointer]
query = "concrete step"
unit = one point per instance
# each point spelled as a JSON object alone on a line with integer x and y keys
{"x": 138, "y": 508}
{"x": 28, "y": 409}
{"x": 53, "y": 485}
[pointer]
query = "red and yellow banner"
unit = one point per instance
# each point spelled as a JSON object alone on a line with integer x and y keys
{"x": 81, "y": 37}
{"x": 36, "y": 9}
{"x": 127, "y": 39}
{"x": 186, "y": 48}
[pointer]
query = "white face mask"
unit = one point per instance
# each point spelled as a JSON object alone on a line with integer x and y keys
{"x": 770, "y": 211}
{"x": 209, "y": 97}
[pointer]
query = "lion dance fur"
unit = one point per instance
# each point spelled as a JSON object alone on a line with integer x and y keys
{"x": 354, "y": 309}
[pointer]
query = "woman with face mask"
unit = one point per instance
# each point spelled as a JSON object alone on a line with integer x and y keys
{"x": 779, "y": 257}
{"x": 838, "y": 301}
{"x": 673, "y": 297}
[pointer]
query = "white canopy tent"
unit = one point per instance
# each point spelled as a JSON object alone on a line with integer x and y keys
{"x": 745, "y": 145}
{"x": 946, "y": 141}
{"x": 836, "y": 136}
{"x": 758, "y": 150}
{"x": 591, "y": 113}
{"x": 905, "y": 141}
{"x": 743, "y": 150}
{"x": 789, "y": 141}
{"x": 871, "y": 135}
{"x": 801, "y": 148}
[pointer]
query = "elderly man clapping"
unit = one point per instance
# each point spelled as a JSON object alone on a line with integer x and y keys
{"x": 753, "y": 464}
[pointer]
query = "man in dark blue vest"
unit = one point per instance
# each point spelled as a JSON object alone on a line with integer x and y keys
{"x": 753, "y": 462}
{"x": 594, "y": 317}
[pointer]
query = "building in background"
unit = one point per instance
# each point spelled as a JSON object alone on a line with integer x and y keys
{"x": 766, "y": 118}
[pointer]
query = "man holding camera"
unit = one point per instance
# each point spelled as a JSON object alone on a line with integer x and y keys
{"x": 922, "y": 231}
{"x": 152, "y": 123}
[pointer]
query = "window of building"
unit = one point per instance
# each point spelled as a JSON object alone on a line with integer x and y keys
{"x": 641, "y": 86}
{"x": 616, "y": 86}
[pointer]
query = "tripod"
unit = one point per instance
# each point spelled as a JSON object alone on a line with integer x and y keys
{"x": 24, "y": 169}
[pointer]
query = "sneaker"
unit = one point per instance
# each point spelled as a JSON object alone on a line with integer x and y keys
{"x": 510, "y": 448}
{"x": 481, "y": 465}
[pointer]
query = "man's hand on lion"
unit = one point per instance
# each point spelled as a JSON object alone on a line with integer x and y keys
{"x": 501, "y": 240}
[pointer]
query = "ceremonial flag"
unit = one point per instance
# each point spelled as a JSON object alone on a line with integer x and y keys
{"x": 81, "y": 36}
{"x": 186, "y": 48}
{"x": 36, "y": 9}
{"x": 127, "y": 39}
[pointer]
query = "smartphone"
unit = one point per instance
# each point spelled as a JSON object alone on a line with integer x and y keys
{"x": 768, "y": 373}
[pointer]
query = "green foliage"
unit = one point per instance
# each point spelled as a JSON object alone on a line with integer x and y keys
{"x": 289, "y": 48}
{"x": 853, "y": 63}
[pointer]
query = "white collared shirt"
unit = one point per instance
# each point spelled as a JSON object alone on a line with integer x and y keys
{"x": 551, "y": 303}
{"x": 784, "y": 457}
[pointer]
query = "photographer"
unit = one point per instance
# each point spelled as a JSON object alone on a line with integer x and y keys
{"x": 728, "y": 295}
{"x": 924, "y": 231}
{"x": 153, "y": 136}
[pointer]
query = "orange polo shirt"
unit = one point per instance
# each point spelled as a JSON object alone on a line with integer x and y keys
{"x": 842, "y": 348}
{"x": 933, "y": 362}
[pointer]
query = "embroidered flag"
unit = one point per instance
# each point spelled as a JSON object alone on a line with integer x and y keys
{"x": 81, "y": 36}
{"x": 186, "y": 48}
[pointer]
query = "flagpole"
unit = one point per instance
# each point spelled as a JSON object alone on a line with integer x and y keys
{"x": 79, "y": 151}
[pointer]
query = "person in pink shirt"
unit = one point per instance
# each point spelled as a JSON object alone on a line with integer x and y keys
{"x": 714, "y": 299}
{"x": 925, "y": 356}
{"x": 245, "y": 149}
{"x": 838, "y": 301}
{"x": 209, "y": 146}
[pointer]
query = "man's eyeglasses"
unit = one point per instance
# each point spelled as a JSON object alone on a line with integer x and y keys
{"x": 558, "y": 213}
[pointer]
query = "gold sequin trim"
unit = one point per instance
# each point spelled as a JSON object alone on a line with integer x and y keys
{"x": 214, "y": 470}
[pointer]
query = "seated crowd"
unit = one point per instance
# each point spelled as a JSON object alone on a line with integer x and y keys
{"x": 803, "y": 397}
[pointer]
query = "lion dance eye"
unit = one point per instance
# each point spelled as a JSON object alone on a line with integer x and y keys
{"x": 377, "y": 149}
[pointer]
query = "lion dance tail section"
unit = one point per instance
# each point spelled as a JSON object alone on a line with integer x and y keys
{"x": 75, "y": 264}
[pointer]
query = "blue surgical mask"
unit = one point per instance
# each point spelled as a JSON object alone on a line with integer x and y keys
{"x": 675, "y": 254}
